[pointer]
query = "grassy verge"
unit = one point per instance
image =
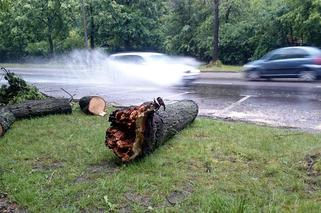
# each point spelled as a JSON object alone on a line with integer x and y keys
{"x": 60, "y": 164}
{"x": 17, "y": 65}
{"x": 222, "y": 68}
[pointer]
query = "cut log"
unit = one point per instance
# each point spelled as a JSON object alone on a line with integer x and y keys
{"x": 93, "y": 105}
{"x": 6, "y": 120}
{"x": 43, "y": 107}
{"x": 137, "y": 131}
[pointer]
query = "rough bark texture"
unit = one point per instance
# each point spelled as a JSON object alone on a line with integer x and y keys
{"x": 165, "y": 124}
{"x": 94, "y": 105}
{"x": 216, "y": 26}
{"x": 6, "y": 120}
{"x": 138, "y": 131}
{"x": 43, "y": 107}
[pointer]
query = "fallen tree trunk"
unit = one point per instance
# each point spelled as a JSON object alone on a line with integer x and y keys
{"x": 6, "y": 120}
{"x": 43, "y": 107}
{"x": 93, "y": 105}
{"x": 137, "y": 131}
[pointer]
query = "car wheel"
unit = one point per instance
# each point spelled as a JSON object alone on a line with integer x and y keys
{"x": 253, "y": 75}
{"x": 308, "y": 76}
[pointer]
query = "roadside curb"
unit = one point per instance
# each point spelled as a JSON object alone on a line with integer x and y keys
{"x": 221, "y": 71}
{"x": 221, "y": 75}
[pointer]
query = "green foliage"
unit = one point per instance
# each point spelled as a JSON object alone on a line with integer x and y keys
{"x": 248, "y": 28}
{"x": 74, "y": 40}
{"x": 18, "y": 90}
{"x": 37, "y": 48}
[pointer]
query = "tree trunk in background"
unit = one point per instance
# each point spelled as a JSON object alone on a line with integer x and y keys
{"x": 50, "y": 40}
{"x": 43, "y": 107}
{"x": 92, "y": 27}
{"x": 84, "y": 23}
{"x": 216, "y": 26}
{"x": 139, "y": 130}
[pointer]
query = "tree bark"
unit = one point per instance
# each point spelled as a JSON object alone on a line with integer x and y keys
{"x": 216, "y": 26}
{"x": 49, "y": 34}
{"x": 6, "y": 120}
{"x": 94, "y": 105}
{"x": 92, "y": 26}
{"x": 139, "y": 130}
{"x": 84, "y": 16}
{"x": 43, "y": 107}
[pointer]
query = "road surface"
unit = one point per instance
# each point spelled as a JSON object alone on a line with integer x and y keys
{"x": 287, "y": 103}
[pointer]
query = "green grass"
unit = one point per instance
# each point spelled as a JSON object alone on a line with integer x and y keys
{"x": 60, "y": 164}
{"x": 222, "y": 68}
{"x": 22, "y": 65}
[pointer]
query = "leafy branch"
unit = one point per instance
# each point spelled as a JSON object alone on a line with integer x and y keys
{"x": 17, "y": 90}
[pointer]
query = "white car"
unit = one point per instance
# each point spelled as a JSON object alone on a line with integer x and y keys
{"x": 156, "y": 68}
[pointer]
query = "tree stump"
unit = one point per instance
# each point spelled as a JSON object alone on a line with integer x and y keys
{"x": 139, "y": 130}
{"x": 93, "y": 105}
{"x": 6, "y": 120}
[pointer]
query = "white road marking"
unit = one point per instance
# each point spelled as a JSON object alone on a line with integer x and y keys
{"x": 176, "y": 95}
{"x": 235, "y": 104}
{"x": 318, "y": 127}
{"x": 208, "y": 111}
{"x": 225, "y": 83}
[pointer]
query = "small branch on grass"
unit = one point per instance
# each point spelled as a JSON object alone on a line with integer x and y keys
{"x": 51, "y": 176}
{"x": 71, "y": 96}
{"x": 4, "y": 70}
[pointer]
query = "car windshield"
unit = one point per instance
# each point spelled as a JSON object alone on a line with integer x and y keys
{"x": 158, "y": 57}
{"x": 161, "y": 59}
{"x": 268, "y": 55}
{"x": 133, "y": 59}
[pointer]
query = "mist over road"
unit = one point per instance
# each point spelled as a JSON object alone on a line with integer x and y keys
{"x": 288, "y": 103}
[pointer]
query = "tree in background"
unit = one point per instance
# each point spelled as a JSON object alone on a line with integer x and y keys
{"x": 216, "y": 27}
{"x": 239, "y": 30}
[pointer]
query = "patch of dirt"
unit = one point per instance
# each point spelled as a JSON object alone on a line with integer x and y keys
{"x": 126, "y": 209}
{"x": 177, "y": 196}
{"x": 233, "y": 157}
{"x": 45, "y": 163}
{"x": 312, "y": 184}
{"x": 6, "y": 206}
{"x": 138, "y": 199}
{"x": 106, "y": 167}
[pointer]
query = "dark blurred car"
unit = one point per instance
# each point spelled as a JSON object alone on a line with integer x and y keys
{"x": 289, "y": 62}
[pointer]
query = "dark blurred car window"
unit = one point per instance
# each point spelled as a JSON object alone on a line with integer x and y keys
{"x": 279, "y": 55}
{"x": 298, "y": 53}
{"x": 289, "y": 54}
{"x": 134, "y": 59}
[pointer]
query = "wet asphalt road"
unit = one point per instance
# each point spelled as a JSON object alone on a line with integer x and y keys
{"x": 288, "y": 103}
